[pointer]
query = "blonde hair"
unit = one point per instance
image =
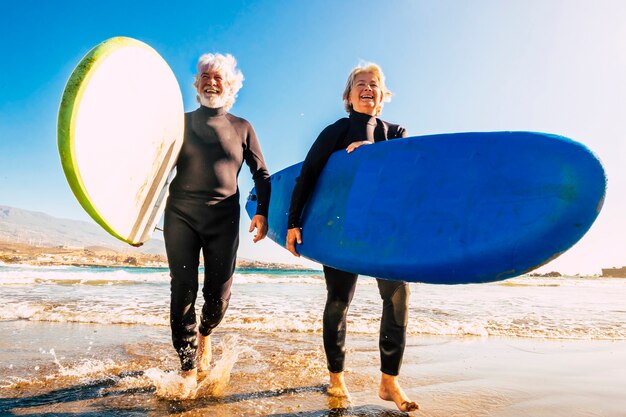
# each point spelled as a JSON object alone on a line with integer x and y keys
{"x": 378, "y": 73}
{"x": 225, "y": 65}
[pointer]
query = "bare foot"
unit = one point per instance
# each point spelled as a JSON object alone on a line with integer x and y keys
{"x": 189, "y": 382}
{"x": 190, "y": 375}
{"x": 337, "y": 386}
{"x": 336, "y": 403}
{"x": 390, "y": 391}
{"x": 204, "y": 353}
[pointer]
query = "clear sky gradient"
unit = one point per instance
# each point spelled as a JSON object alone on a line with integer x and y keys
{"x": 546, "y": 65}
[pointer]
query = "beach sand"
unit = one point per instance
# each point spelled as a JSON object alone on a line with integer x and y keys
{"x": 70, "y": 369}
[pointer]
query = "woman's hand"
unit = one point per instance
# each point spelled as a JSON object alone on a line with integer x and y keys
{"x": 259, "y": 223}
{"x": 351, "y": 147}
{"x": 293, "y": 236}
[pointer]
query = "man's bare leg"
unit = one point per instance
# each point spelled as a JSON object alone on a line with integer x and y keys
{"x": 337, "y": 386}
{"x": 204, "y": 354}
{"x": 390, "y": 390}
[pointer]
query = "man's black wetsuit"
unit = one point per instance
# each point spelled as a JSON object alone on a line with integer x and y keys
{"x": 340, "y": 284}
{"x": 202, "y": 213}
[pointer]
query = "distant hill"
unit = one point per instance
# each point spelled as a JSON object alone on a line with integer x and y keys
{"x": 40, "y": 229}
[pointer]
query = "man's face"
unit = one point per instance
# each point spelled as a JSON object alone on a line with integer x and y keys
{"x": 211, "y": 89}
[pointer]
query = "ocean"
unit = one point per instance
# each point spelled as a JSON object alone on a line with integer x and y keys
{"x": 95, "y": 341}
{"x": 573, "y": 307}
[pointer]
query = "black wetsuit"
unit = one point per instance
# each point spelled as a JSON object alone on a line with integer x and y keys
{"x": 340, "y": 284}
{"x": 202, "y": 213}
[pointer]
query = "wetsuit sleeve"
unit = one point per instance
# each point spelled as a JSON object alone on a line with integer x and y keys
{"x": 260, "y": 174}
{"x": 397, "y": 131}
{"x": 314, "y": 163}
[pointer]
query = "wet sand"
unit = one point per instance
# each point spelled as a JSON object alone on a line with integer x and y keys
{"x": 63, "y": 369}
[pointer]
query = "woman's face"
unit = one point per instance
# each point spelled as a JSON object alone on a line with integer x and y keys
{"x": 365, "y": 96}
{"x": 211, "y": 89}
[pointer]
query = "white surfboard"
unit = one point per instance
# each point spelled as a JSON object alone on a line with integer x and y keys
{"x": 120, "y": 130}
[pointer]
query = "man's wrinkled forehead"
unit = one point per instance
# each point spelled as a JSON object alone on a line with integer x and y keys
{"x": 210, "y": 69}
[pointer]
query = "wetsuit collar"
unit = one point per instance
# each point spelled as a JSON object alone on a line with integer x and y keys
{"x": 210, "y": 112}
{"x": 362, "y": 117}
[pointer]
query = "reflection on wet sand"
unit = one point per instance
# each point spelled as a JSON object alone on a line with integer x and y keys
{"x": 103, "y": 370}
{"x": 99, "y": 399}
{"x": 255, "y": 375}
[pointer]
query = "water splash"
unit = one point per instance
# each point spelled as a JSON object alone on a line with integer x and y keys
{"x": 171, "y": 385}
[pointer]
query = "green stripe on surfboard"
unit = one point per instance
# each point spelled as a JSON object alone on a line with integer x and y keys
{"x": 66, "y": 127}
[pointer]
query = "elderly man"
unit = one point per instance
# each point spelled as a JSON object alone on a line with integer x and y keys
{"x": 202, "y": 211}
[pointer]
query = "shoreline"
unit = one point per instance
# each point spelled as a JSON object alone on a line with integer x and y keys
{"x": 16, "y": 253}
{"x": 93, "y": 369}
{"x": 23, "y": 254}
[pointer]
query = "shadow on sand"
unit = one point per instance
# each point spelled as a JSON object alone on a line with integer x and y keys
{"x": 97, "y": 390}
{"x": 360, "y": 411}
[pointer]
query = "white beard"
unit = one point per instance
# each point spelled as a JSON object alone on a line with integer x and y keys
{"x": 213, "y": 101}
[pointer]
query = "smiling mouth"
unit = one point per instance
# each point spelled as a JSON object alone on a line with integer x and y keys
{"x": 212, "y": 91}
{"x": 367, "y": 97}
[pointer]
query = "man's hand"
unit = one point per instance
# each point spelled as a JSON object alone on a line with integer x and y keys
{"x": 259, "y": 223}
{"x": 293, "y": 236}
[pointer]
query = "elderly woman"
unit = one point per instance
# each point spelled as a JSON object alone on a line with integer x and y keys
{"x": 363, "y": 98}
{"x": 202, "y": 211}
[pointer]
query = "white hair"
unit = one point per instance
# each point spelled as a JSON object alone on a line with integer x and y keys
{"x": 225, "y": 65}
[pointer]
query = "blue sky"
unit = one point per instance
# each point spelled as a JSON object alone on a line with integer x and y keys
{"x": 546, "y": 65}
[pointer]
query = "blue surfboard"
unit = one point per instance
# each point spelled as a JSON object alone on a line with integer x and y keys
{"x": 445, "y": 209}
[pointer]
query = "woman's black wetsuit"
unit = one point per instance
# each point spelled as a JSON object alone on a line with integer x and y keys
{"x": 341, "y": 284}
{"x": 202, "y": 213}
